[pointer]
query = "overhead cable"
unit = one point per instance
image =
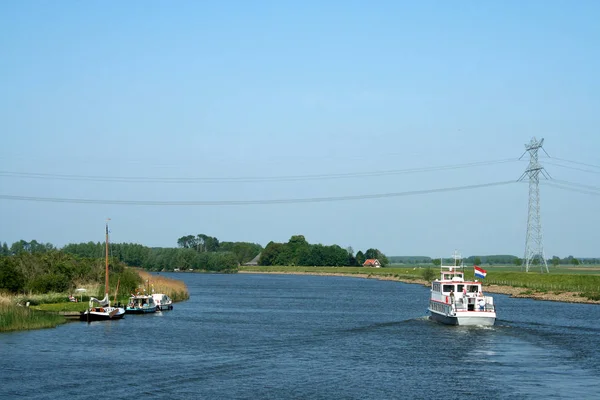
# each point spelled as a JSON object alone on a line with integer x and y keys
{"x": 146, "y": 179}
{"x": 576, "y": 162}
{"x": 248, "y": 202}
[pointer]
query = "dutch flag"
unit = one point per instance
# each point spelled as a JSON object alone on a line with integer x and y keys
{"x": 479, "y": 272}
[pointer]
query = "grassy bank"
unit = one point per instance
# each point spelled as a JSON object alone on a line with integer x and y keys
{"x": 44, "y": 309}
{"x": 19, "y": 318}
{"x": 577, "y": 282}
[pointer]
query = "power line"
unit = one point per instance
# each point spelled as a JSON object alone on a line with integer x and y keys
{"x": 146, "y": 179}
{"x": 575, "y": 185}
{"x": 248, "y": 202}
{"x": 572, "y": 189}
{"x": 573, "y": 168}
{"x": 577, "y": 162}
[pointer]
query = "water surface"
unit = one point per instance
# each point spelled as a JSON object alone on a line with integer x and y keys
{"x": 253, "y": 336}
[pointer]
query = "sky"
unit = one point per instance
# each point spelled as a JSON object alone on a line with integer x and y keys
{"x": 206, "y": 101}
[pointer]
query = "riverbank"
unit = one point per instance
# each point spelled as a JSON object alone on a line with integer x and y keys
{"x": 52, "y": 309}
{"x": 512, "y": 291}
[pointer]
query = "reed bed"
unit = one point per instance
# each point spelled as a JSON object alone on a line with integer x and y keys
{"x": 18, "y": 318}
{"x": 175, "y": 289}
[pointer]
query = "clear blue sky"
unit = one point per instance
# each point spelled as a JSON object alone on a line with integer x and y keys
{"x": 234, "y": 89}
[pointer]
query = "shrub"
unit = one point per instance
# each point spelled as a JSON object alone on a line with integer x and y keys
{"x": 428, "y": 274}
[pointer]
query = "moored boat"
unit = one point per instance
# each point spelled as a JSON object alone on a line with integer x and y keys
{"x": 455, "y": 301}
{"x": 163, "y": 302}
{"x": 141, "y": 304}
{"x": 103, "y": 311}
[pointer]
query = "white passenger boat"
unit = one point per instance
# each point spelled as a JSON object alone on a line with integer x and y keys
{"x": 455, "y": 301}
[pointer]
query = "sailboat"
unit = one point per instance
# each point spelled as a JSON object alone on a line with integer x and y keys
{"x": 103, "y": 311}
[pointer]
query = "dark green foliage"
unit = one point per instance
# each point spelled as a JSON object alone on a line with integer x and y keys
{"x": 49, "y": 283}
{"x": 23, "y": 246}
{"x": 270, "y": 254}
{"x": 410, "y": 260}
{"x": 360, "y": 258}
{"x": 222, "y": 262}
{"x": 128, "y": 281}
{"x": 57, "y": 271}
{"x": 298, "y": 252}
{"x": 428, "y": 274}
{"x": 243, "y": 251}
{"x": 375, "y": 253}
{"x": 11, "y": 278}
{"x": 493, "y": 259}
{"x": 195, "y": 252}
{"x": 518, "y": 261}
{"x": 200, "y": 242}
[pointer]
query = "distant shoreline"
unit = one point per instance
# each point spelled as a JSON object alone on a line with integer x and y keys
{"x": 512, "y": 291}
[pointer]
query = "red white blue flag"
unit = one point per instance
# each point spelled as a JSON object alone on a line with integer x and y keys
{"x": 479, "y": 272}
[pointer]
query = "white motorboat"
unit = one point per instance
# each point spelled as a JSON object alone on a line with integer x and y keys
{"x": 163, "y": 302}
{"x": 455, "y": 301}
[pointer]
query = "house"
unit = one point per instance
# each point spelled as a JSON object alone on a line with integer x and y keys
{"x": 372, "y": 262}
{"x": 254, "y": 261}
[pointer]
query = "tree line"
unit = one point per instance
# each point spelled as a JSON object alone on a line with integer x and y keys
{"x": 195, "y": 252}
{"x": 52, "y": 270}
{"x": 298, "y": 252}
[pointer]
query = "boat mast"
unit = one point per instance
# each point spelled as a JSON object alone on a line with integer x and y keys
{"x": 106, "y": 257}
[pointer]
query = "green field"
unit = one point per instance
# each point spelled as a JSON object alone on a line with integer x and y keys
{"x": 585, "y": 280}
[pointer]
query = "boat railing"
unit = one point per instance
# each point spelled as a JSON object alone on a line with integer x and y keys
{"x": 471, "y": 303}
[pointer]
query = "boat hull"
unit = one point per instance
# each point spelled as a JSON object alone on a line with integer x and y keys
{"x": 140, "y": 310}
{"x": 102, "y": 315}
{"x": 465, "y": 319}
{"x": 164, "y": 307}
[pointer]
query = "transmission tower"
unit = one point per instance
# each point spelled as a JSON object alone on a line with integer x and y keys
{"x": 534, "y": 247}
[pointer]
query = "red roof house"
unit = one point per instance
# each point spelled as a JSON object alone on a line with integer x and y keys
{"x": 372, "y": 262}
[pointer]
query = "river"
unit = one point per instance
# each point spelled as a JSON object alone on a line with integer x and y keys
{"x": 254, "y": 336}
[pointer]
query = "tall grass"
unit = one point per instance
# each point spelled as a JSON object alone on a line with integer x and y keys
{"x": 175, "y": 289}
{"x": 18, "y": 318}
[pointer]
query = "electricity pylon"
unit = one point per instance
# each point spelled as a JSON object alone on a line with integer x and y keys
{"x": 534, "y": 247}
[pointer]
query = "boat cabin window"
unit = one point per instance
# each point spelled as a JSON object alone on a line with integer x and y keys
{"x": 459, "y": 288}
{"x": 472, "y": 288}
{"x": 436, "y": 287}
{"x": 448, "y": 288}
{"x": 447, "y": 276}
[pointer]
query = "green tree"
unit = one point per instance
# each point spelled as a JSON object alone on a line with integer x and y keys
{"x": 436, "y": 261}
{"x": 518, "y": 261}
{"x": 360, "y": 258}
{"x": 296, "y": 247}
{"x": 270, "y": 254}
{"x": 351, "y": 259}
{"x": 187, "y": 242}
{"x": 555, "y": 261}
{"x": 428, "y": 274}
{"x": 4, "y": 250}
{"x": 11, "y": 278}
{"x": 375, "y": 253}
{"x": 477, "y": 261}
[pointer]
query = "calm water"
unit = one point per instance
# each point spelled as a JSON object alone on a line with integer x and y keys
{"x": 308, "y": 337}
